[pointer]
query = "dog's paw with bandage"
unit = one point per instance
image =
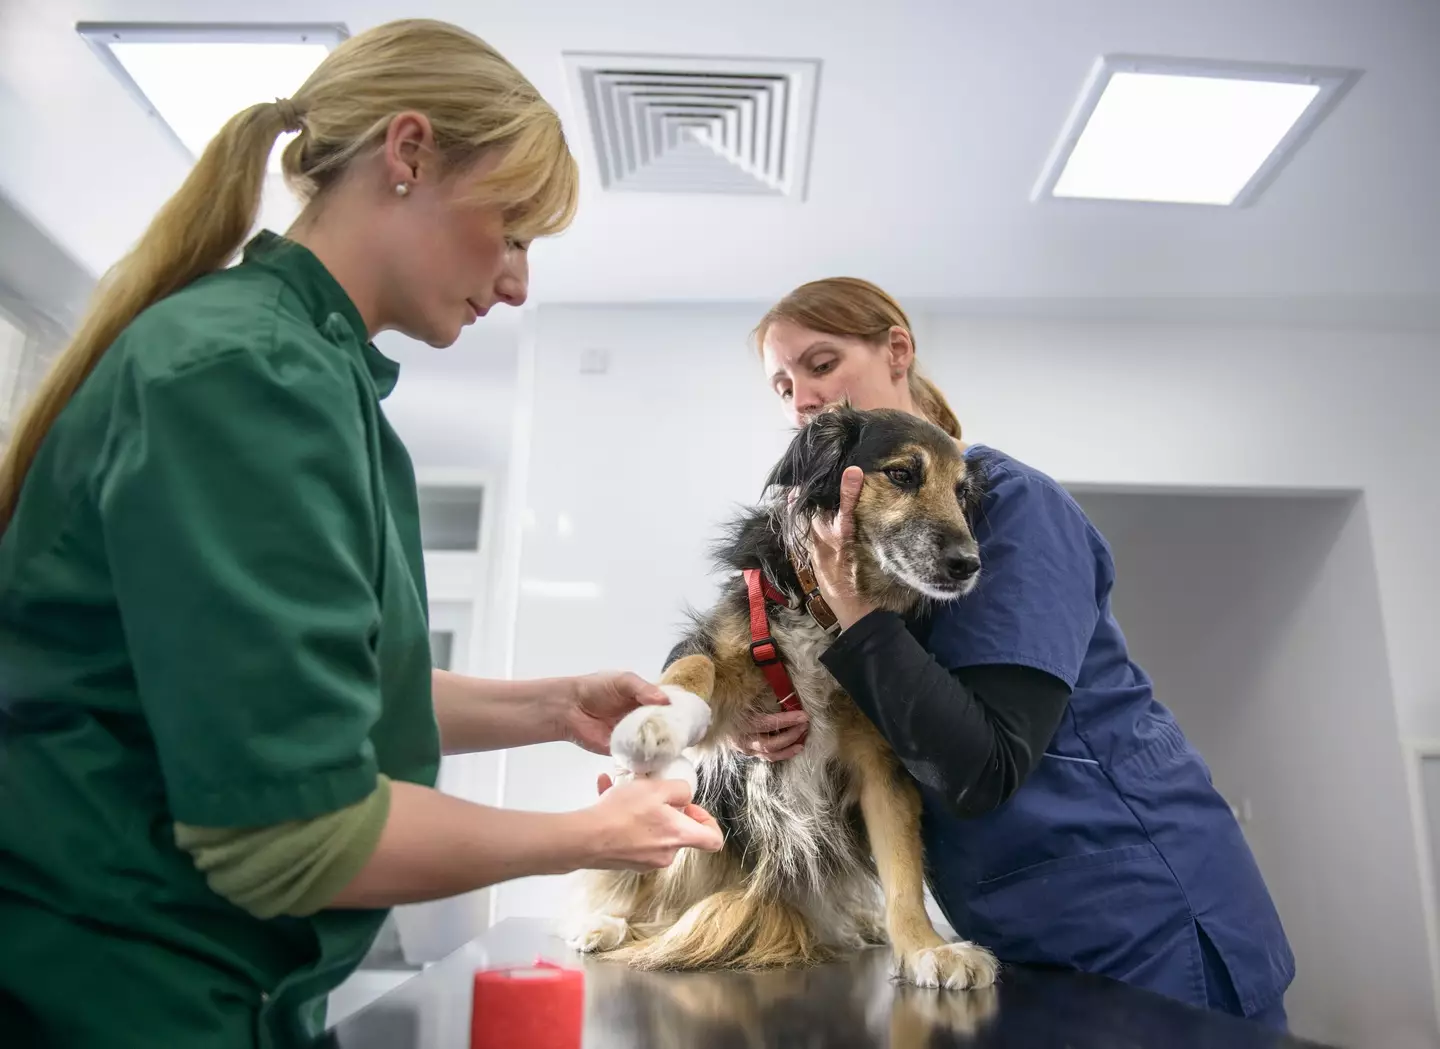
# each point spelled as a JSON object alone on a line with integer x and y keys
{"x": 648, "y": 743}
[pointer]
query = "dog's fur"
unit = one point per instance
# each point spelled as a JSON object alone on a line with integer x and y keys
{"x": 805, "y": 839}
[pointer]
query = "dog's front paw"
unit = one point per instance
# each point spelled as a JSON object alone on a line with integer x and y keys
{"x": 954, "y": 966}
{"x": 599, "y": 933}
{"x": 645, "y": 741}
{"x": 649, "y": 739}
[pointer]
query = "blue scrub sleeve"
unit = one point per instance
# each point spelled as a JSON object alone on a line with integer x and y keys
{"x": 1037, "y": 602}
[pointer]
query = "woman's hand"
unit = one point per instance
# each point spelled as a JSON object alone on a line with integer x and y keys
{"x": 832, "y": 554}
{"x": 598, "y": 701}
{"x": 641, "y": 824}
{"x": 774, "y": 737}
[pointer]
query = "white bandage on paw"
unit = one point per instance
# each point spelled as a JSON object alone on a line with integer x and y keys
{"x": 649, "y": 740}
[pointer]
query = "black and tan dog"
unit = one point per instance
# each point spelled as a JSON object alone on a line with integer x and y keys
{"x": 805, "y": 839}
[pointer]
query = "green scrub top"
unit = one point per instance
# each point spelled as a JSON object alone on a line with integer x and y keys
{"x": 212, "y": 611}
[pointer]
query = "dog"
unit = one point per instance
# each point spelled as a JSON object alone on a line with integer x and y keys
{"x": 808, "y": 841}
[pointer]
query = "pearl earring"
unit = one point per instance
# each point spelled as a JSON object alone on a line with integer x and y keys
{"x": 401, "y": 189}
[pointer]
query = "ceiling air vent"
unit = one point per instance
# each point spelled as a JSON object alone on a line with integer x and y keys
{"x": 697, "y": 125}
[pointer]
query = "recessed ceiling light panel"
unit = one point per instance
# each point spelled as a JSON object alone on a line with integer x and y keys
{"x": 1186, "y": 132}
{"x": 193, "y": 78}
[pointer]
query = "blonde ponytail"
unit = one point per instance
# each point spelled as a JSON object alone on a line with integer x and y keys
{"x": 476, "y": 102}
{"x": 198, "y": 230}
{"x": 854, "y": 307}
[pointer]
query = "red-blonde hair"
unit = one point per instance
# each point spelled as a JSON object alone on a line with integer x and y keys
{"x": 858, "y": 309}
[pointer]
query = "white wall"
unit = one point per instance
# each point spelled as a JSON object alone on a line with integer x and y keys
{"x": 456, "y": 410}
{"x": 1216, "y": 406}
{"x": 644, "y": 463}
{"x": 1259, "y": 620}
{"x": 1091, "y": 402}
{"x": 455, "y": 407}
{"x": 42, "y": 293}
{"x": 34, "y": 269}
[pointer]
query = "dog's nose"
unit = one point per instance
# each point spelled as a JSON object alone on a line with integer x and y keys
{"x": 960, "y": 563}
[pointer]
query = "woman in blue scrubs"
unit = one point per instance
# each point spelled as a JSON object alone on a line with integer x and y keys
{"x": 1068, "y": 821}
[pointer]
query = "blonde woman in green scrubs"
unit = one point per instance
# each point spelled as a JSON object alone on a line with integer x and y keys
{"x": 219, "y": 728}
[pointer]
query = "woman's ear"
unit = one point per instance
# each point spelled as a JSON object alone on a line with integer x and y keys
{"x": 409, "y": 146}
{"x": 900, "y": 352}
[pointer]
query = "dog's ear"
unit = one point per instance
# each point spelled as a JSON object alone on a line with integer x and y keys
{"x": 812, "y": 465}
{"x": 810, "y": 470}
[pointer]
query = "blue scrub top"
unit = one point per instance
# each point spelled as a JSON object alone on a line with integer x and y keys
{"x": 1116, "y": 856}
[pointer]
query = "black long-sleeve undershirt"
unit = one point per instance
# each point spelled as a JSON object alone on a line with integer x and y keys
{"x": 972, "y": 735}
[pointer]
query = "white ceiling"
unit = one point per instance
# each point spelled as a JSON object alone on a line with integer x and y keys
{"x": 933, "y": 122}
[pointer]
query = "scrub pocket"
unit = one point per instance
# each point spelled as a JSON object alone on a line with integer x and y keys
{"x": 1117, "y": 912}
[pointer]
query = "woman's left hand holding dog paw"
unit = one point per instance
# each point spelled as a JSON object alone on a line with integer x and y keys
{"x": 832, "y": 554}
{"x": 598, "y": 702}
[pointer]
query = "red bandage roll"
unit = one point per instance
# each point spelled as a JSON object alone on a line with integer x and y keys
{"x": 534, "y": 1007}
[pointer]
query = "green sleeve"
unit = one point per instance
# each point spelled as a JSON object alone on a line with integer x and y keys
{"x": 238, "y": 508}
{"x": 293, "y": 868}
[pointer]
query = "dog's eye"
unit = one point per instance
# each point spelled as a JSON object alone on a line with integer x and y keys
{"x": 901, "y": 475}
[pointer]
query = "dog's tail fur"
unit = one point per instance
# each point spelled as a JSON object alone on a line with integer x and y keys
{"x": 733, "y": 929}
